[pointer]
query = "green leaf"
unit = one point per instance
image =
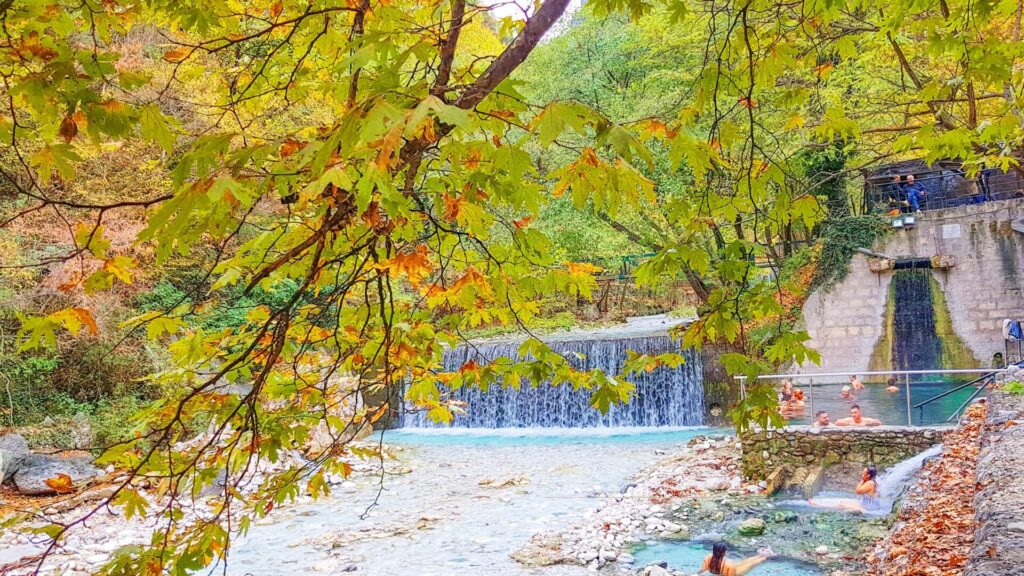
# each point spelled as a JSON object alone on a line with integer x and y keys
{"x": 155, "y": 127}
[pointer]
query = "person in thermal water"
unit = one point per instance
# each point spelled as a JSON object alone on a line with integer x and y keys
{"x": 715, "y": 563}
{"x": 846, "y": 393}
{"x": 857, "y": 419}
{"x": 856, "y": 383}
{"x": 786, "y": 392}
{"x": 866, "y": 490}
{"x": 821, "y": 419}
{"x": 798, "y": 398}
{"x": 891, "y": 386}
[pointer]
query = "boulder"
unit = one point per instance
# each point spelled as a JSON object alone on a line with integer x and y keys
{"x": 542, "y": 550}
{"x": 655, "y": 570}
{"x": 13, "y": 451}
{"x": 752, "y": 527}
{"x": 785, "y": 517}
{"x": 33, "y": 473}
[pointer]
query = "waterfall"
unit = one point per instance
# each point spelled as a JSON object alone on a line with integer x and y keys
{"x": 663, "y": 397}
{"x": 894, "y": 480}
{"x": 915, "y": 345}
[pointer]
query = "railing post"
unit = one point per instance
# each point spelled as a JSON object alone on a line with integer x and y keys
{"x": 811, "y": 398}
{"x": 910, "y": 413}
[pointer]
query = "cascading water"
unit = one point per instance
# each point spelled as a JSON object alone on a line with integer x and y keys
{"x": 915, "y": 344}
{"x": 894, "y": 480}
{"x": 663, "y": 397}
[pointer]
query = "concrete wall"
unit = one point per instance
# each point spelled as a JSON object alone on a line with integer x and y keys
{"x": 798, "y": 448}
{"x": 986, "y": 286}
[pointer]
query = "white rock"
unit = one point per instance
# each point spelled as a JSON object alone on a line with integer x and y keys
{"x": 587, "y": 556}
{"x": 821, "y": 550}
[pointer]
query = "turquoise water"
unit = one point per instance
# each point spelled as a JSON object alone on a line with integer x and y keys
{"x": 688, "y": 556}
{"x": 667, "y": 436}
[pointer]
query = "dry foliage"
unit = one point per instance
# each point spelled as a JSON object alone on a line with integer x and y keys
{"x": 938, "y": 528}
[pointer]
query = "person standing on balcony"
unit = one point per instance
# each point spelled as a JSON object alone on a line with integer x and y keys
{"x": 915, "y": 193}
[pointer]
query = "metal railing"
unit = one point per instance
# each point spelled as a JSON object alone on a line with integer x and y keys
{"x": 902, "y": 377}
{"x": 945, "y": 188}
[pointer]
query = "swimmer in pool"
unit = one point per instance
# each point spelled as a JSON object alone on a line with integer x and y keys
{"x": 846, "y": 394}
{"x": 867, "y": 489}
{"x": 715, "y": 563}
{"x": 891, "y": 386}
{"x": 858, "y": 419}
{"x": 855, "y": 382}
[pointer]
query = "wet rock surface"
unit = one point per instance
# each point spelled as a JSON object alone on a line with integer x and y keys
{"x": 999, "y": 504}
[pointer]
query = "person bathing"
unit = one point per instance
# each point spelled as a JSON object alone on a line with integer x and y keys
{"x": 821, "y": 419}
{"x": 858, "y": 419}
{"x": 891, "y": 386}
{"x": 867, "y": 490}
{"x": 856, "y": 383}
{"x": 715, "y": 563}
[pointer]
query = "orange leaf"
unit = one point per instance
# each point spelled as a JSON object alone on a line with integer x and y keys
{"x": 452, "y": 206}
{"x": 176, "y": 55}
{"x": 522, "y": 222}
{"x": 289, "y": 147}
{"x": 415, "y": 265}
{"x": 469, "y": 366}
{"x": 85, "y": 317}
{"x": 68, "y": 129}
{"x": 748, "y": 102}
{"x": 61, "y": 483}
{"x": 275, "y": 9}
{"x": 379, "y": 412}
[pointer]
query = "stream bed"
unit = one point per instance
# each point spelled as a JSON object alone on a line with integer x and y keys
{"x": 456, "y": 502}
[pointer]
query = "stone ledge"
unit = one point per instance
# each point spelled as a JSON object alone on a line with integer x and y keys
{"x": 797, "y": 449}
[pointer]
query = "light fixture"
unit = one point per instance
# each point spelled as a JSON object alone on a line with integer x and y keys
{"x": 909, "y": 221}
{"x": 897, "y": 223}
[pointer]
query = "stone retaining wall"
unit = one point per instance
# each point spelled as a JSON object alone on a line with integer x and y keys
{"x": 797, "y": 449}
{"x": 999, "y": 503}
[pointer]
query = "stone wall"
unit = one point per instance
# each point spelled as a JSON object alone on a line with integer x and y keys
{"x": 796, "y": 449}
{"x": 985, "y": 286}
{"x": 999, "y": 503}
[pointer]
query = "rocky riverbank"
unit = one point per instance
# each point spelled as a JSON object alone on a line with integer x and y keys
{"x": 99, "y": 527}
{"x": 602, "y": 536}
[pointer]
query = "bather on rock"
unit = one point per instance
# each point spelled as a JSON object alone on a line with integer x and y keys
{"x": 858, "y": 419}
{"x": 715, "y": 563}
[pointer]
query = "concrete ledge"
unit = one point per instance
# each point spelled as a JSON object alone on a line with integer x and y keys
{"x": 999, "y": 503}
{"x": 799, "y": 449}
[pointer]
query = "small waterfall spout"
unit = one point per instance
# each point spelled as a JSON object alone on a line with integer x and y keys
{"x": 663, "y": 397}
{"x": 894, "y": 480}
